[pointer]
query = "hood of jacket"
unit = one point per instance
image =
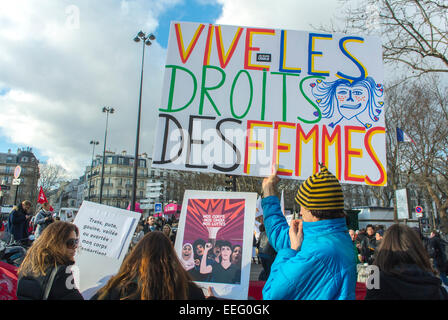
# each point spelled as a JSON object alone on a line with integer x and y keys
{"x": 411, "y": 282}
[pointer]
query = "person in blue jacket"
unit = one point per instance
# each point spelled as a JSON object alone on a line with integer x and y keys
{"x": 315, "y": 257}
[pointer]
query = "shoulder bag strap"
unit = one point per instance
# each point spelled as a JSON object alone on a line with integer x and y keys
{"x": 49, "y": 283}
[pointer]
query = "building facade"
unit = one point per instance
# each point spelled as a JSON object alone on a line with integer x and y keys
{"x": 29, "y": 176}
{"x": 118, "y": 175}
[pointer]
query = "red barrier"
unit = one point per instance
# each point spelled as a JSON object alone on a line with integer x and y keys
{"x": 256, "y": 288}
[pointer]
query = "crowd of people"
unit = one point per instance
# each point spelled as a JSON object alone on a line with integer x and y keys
{"x": 368, "y": 241}
{"x": 314, "y": 257}
{"x": 21, "y": 222}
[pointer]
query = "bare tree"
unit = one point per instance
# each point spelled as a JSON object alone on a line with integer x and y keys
{"x": 51, "y": 176}
{"x": 426, "y": 160}
{"x": 414, "y": 32}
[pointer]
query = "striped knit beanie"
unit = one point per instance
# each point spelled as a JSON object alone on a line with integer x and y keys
{"x": 321, "y": 191}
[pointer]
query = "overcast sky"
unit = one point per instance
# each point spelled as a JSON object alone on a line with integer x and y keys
{"x": 61, "y": 61}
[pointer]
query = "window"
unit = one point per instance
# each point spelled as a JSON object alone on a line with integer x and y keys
{"x": 109, "y": 160}
{"x": 131, "y": 162}
{"x": 120, "y": 181}
{"x": 120, "y": 160}
{"x": 24, "y": 159}
{"x": 142, "y": 184}
{"x": 119, "y": 192}
{"x": 141, "y": 194}
{"x": 142, "y": 163}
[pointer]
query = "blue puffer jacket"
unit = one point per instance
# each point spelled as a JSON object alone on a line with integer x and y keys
{"x": 323, "y": 269}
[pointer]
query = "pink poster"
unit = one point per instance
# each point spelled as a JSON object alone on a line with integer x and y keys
{"x": 214, "y": 240}
{"x": 213, "y": 234}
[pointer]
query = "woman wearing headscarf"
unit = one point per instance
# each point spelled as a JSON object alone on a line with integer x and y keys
{"x": 187, "y": 258}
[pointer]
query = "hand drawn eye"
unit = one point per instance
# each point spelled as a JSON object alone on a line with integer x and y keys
{"x": 342, "y": 92}
{"x": 357, "y": 92}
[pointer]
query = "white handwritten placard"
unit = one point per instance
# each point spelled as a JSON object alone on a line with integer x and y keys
{"x": 104, "y": 236}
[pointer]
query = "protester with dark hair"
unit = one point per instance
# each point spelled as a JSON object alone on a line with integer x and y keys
{"x": 224, "y": 271}
{"x": 152, "y": 271}
{"x": 436, "y": 248}
{"x": 46, "y": 267}
{"x": 315, "y": 257}
{"x": 405, "y": 269}
{"x": 18, "y": 221}
{"x": 266, "y": 254}
{"x": 43, "y": 219}
{"x": 368, "y": 245}
{"x": 150, "y": 225}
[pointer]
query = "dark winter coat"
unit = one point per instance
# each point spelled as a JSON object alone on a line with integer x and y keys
{"x": 264, "y": 247}
{"x": 18, "y": 223}
{"x": 436, "y": 250}
{"x": 33, "y": 288}
{"x": 368, "y": 247}
{"x": 411, "y": 283}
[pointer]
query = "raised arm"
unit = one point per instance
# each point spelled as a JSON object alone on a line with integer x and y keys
{"x": 204, "y": 269}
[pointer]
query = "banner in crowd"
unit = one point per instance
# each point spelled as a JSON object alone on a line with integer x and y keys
{"x": 214, "y": 240}
{"x": 105, "y": 234}
{"x": 236, "y": 100}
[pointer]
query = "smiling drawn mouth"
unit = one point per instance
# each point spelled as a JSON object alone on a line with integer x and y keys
{"x": 346, "y": 106}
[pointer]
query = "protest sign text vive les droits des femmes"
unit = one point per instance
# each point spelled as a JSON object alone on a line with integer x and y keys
{"x": 236, "y": 100}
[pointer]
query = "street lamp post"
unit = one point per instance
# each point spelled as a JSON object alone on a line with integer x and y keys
{"x": 107, "y": 110}
{"x": 94, "y": 143}
{"x": 146, "y": 42}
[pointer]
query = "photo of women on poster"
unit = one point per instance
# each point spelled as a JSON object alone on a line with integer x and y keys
{"x": 214, "y": 227}
{"x": 214, "y": 240}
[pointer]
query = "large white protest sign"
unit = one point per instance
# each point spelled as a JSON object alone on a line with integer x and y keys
{"x": 104, "y": 236}
{"x": 236, "y": 100}
{"x": 214, "y": 240}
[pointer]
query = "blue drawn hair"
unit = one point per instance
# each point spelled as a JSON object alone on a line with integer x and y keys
{"x": 325, "y": 94}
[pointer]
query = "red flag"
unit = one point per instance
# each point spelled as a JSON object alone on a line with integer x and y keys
{"x": 42, "y": 198}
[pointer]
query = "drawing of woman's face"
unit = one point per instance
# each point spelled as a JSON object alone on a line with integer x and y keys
{"x": 186, "y": 252}
{"x": 352, "y": 100}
